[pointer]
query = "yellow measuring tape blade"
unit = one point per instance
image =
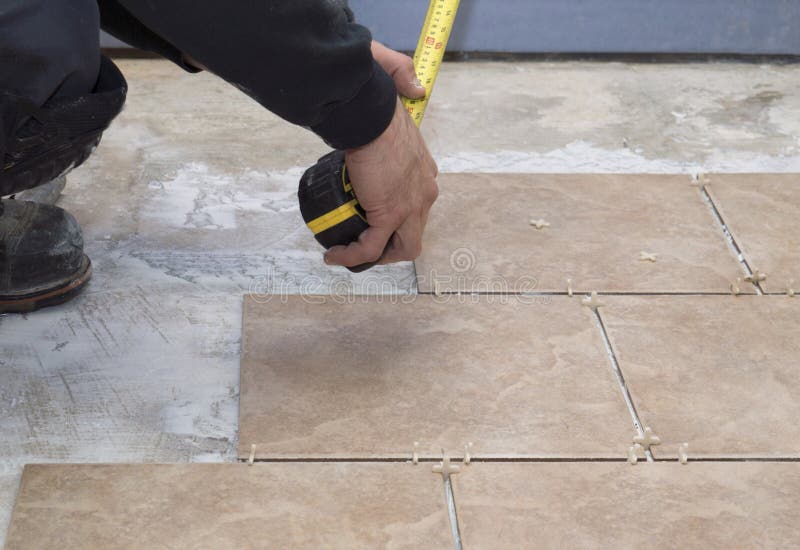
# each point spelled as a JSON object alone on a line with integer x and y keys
{"x": 430, "y": 52}
{"x": 334, "y": 217}
{"x": 423, "y": 33}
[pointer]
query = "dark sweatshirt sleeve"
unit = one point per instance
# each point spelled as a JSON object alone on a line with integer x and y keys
{"x": 118, "y": 22}
{"x": 305, "y": 60}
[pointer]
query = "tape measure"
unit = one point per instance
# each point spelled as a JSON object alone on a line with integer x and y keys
{"x": 328, "y": 203}
{"x": 430, "y": 52}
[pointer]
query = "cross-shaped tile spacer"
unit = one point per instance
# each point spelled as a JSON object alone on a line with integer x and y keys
{"x": 648, "y": 439}
{"x": 540, "y": 223}
{"x": 756, "y": 277}
{"x": 647, "y": 257}
{"x": 700, "y": 179}
{"x": 592, "y": 301}
{"x": 445, "y": 467}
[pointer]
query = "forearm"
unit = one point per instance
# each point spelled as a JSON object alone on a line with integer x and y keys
{"x": 305, "y": 60}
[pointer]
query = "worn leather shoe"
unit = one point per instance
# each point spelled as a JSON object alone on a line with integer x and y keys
{"x": 42, "y": 262}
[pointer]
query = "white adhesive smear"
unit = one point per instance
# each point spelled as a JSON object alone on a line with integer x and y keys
{"x": 584, "y": 157}
{"x": 197, "y": 198}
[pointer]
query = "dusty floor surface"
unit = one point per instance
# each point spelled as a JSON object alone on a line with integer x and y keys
{"x": 190, "y": 202}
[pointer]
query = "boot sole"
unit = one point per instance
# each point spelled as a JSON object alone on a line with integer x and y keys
{"x": 50, "y": 297}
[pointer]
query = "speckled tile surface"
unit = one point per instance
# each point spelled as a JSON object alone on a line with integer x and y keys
{"x": 717, "y": 372}
{"x": 213, "y": 506}
{"x": 615, "y": 505}
{"x": 761, "y": 212}
{"x": 367, "y": 378}
{"x": 479, "y": 236}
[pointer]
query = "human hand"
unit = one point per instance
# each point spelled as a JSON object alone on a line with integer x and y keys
{"x": 401, "y": 68}
{"x": 394, "y": 178}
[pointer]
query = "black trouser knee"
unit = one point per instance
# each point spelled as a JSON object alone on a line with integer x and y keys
{"x": 49, "y": 49}
{"x": 56, "y": 93}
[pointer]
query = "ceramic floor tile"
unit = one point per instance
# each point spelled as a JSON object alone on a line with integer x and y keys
{"x": 479, "y": 236}
{"x": 717, "y": 372}
{"x": 276, "y": 505}
{"x": 367, "y": 378}
{"x": 615, "y": 505}
{"x": 761, "y": 213}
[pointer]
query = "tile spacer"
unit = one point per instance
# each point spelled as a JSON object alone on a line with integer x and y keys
{"x": 700, "y": 179}
{"x": 415, "y": 453}
{"x": 252, "y": 457}
{"x": 539, "y": 224}
{"x": 735, "y": 290}
{"x": 445, "y": 467}
{"x": 592, "y": 301}
{"x": 683, "y": 453}
{"x": 467, "y": 456}
{"x": 569, "y": 288}
{"x": 648, "y": 439}
{"x": 756, "y": 277}
{"x": 633, "y": 454}
{"x": 647, "y": 257}
{"x": 790, "y": 289}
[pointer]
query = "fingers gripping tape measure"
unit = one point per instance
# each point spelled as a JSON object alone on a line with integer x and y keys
{"x": 327, "y": 201}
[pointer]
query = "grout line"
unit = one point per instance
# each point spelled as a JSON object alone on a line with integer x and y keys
{"x": 637, "y": 423}
{"x": 380, "y": 460}
{"x": 489, "y": 460}
{"x": 729, "y": 236}
{"x": 528, "y": 460}
{"x": 451, "y": 509}
{"x": 574, "y": 292}
{"x": 736, "y": 459}
{"x": 342, "y": 459}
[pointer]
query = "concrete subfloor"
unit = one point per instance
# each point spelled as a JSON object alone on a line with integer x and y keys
{"x": 190, "y": 202}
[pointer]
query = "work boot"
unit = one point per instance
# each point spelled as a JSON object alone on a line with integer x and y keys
{"x": 42, "y": 262}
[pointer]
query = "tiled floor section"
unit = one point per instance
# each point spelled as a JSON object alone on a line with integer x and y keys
{"x": 517, "y": 377}
{"x": 191, "y": 201}
{"x": 761, "y": 212}
{"x": 480, "y": 238}
{"x": 614, "y": 505}
{"x": 286, "y": 505}
{"x": 718, "y": 372}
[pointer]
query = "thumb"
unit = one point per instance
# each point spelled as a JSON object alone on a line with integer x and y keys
{"x": 405, "y": 78}
{"x": 401, "y": 69}
{"x": 368, "y": 248}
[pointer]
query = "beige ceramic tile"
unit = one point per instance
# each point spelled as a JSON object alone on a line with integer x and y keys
{"x": 368, "y": 378}
{"x": 275, "y": 505}
{"x": 479, "y": 235}
{"x": 614, "y": 505}
{"x": 761, "y": 212}
{"x": 718, "y": 372}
